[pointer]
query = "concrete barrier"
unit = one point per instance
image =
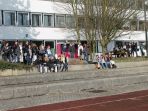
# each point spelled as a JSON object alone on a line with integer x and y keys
{"x": 30, "y": 90}
{"x": 84, "y": 67}
{"x": 10, "y": 72}
{"x": 132, "y": 64}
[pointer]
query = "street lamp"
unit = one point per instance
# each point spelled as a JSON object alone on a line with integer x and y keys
{"x": 145, "y": 26}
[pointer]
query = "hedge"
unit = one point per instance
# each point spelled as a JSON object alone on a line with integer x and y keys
{"x": 14, "y": 66}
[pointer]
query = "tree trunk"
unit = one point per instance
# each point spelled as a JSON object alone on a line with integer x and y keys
{"x": 91, "y": 49}
{"x": 104, "y": 49}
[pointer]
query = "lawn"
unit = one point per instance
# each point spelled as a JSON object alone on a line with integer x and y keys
{"x": 130, "y": 59}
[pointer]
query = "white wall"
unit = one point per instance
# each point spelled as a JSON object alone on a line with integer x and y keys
{"x": 35, "y": 6}
{"x": 132, "y": 36}
{"x": 40, "y": 33}
{"x": 110, "y": 46}
{"x": 43, "y": 6}
{"x": 10, "y": 32}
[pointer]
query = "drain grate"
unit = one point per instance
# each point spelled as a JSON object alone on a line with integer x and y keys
{"x": 92, "y": 90}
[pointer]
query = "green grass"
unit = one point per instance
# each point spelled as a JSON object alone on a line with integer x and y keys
{"x": 130, "y": 59}
{"x": 14, "y": 66}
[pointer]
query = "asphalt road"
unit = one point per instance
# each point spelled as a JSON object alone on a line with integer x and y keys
{"x": 135, "y": 101}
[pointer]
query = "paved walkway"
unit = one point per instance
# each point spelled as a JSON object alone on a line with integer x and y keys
{"x": 71, "y": 86}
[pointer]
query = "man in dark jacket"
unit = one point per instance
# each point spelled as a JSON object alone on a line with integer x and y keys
{"x": 72, "y": 50}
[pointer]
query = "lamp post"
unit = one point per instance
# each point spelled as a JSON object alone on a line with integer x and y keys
{"x": 145, "y": 26}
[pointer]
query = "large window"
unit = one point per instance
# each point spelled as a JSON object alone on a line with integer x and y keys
{"x": 133, "y": 25}
{"x": 81, "y": 22}
{"x": 9, "y": 18}
{"x": 36, "y": 20}
{"x": 60, "y": 21}
{"x": 48, "y": 20}
{"x": 23, "y": 19}
{"x": 70, "y": 21}
{"x": 0, "y": 17}
{"x": 142, "y": 25}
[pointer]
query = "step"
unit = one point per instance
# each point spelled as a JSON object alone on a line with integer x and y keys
{"x": 55, "y": 87}
{"x": 51, "y": 77}
{"x": 23, "y": 94}
{"x": 73, "y": 61}
{"x": 37, "y": 89}
{"x": 72, "y": 68}
{"x": 131, "y": 64}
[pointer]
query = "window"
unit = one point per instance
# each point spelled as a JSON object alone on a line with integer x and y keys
{"x": 81, "y": 22}
{"x": 133, "y": 25}
{"x": 23, "y": 19}
{"x": 141, "y": 25}
{"x": 9, "y": 18}
{"x": 70, "y": 21}
{"x": 48, "y": 20}
{"x": 64, "y": 1}
{"x": 139, "y": 4}
{"x": 0, "y": 17}
{"x": 126, "y": 26}
{"x": 36, "y": 20}
{"x": 60, "y": 21}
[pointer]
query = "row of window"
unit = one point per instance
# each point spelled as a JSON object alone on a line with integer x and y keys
{"x": 135, "y": 25}
{"x": 15, "y": 18}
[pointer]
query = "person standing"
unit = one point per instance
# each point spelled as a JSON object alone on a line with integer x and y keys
{"x": 29, "y": 55}
{"x": 6, "y": 52}
{"x": 80, "y": 51}
{"x": 25, "y": 51}
{"x": 21, "y": 59}
{"x": 85, "y": 52}
{"x": 34, "y": 52}
{"x": 72, "y": 50}
{"x": 17, "y": 52}
{"x": 48, "y": 51}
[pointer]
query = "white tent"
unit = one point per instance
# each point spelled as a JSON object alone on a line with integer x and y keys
{"x": 132, "y": 36}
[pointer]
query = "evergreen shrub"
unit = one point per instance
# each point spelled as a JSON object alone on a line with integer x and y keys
{"x": 14, "y": 66}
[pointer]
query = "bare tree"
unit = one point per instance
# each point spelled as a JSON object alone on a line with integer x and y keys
{"x": 75, "y": 10}
{"x": 84, "y": 15}
{"x": 112, "y": 16}
{"x": 102, "y": 19}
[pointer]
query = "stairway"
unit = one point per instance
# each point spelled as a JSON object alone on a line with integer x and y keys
{"x": 74, "y": 61}
{"x": 31, "y": 90}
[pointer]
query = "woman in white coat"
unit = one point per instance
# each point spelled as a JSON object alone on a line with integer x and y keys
{"x": 80, "y": 51}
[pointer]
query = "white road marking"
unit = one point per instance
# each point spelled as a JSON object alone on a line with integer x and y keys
{"x": 101, "y": 103}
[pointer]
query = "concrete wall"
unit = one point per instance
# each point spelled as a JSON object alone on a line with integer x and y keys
{"x": 40, "y": 33}
{"x": 34, "y": 6}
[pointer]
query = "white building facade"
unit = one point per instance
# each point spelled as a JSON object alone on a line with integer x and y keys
{"x": 48, "y": 21}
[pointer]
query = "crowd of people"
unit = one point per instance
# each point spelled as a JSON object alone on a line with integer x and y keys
{"x": 130, "y": 49}
{"x": 31, "y": 54}
{"x": 42, "y": 56}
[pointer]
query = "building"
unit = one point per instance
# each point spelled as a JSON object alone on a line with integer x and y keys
{"x": 49, "y": 22}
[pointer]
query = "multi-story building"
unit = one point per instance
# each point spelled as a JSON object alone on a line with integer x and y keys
{"x": 49, "y": 22}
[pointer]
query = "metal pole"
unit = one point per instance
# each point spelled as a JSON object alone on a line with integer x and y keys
{"x": 145, "y": 26}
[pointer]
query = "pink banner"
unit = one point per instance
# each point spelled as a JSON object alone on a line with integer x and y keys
{"x": 59, "y": 49}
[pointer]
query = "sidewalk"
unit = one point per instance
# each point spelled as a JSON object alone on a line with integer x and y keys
{"x": 31, "y": 90}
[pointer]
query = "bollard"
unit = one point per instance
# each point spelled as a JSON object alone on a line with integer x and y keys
{"x": 41, "y": 68}
{"x": 56, "y": 68}
{"x": 45, "y": 69}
